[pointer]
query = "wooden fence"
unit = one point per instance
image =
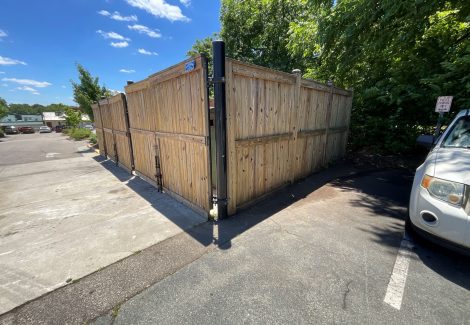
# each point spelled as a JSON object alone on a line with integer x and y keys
{"x": 169, "y": 119}
{"x": 112, "y": 130}
{"x": 280, "y": 128}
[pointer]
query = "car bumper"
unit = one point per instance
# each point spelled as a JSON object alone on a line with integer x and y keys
{"x": 451, "y": 223}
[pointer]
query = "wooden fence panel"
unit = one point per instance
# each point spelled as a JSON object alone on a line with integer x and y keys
{"x": 143, "y": 144}
{"x": 99, "y": 129}
{"x": 173, "y": 107}
{"x": 109, "y": 143}
{"x": 113, "y": 132}
{"x": 280, "y": 128}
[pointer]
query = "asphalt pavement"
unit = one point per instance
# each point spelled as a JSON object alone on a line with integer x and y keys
{"x": 27, "y": 148}
{"x": 322, "y": 253}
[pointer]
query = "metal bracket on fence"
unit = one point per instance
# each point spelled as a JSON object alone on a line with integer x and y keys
{"x": 213, "y": 80}
{"x": 216, "y": 200}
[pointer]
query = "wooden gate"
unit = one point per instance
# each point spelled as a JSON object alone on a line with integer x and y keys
{"x": 114, "y": 130}
{"x": 169, "y": 119}
{"x": 280, "y": 128}
{"x": 99, "y": 129}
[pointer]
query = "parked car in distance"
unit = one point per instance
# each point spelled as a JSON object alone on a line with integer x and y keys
{"x": 45, "y": 129}
{"x": 11, "y": 129}
{"x": 89, "y": 127}
{"x": 440, "y": 197}
{"x": 58, "y": 128}
{"x": 26, "y": 129}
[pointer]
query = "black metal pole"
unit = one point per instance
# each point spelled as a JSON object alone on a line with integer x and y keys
{"x": 438, "y": 127}
{"x": 218, "y": 53}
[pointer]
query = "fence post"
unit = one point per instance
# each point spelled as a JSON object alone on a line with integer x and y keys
{"x": 218, "y": 51}
{"x": 294, "y": 127}
{"x": 328, "y": 121}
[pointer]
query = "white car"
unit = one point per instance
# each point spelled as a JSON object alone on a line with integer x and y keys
{"x": 439, "y": 203}
{"x": 44, "y": 129}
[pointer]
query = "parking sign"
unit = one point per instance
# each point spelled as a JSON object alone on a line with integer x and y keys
{"x": 443, "y": 104}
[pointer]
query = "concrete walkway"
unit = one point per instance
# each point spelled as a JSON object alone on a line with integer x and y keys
{"x": 61, "y": 219}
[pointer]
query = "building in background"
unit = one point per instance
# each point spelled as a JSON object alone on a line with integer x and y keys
{"x": 53, "y": 119}
{"x": 20, "y": 120}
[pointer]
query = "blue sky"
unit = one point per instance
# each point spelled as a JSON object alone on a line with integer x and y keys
{"x": 116, "y": 40}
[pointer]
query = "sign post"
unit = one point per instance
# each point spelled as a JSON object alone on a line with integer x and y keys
{"x": 442, "y": 106}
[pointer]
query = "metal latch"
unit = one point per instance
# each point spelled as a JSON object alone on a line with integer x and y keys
{"x": 211, "y": 81}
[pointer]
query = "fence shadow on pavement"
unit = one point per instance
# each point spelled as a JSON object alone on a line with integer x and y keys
{"x": 221, "y": 232}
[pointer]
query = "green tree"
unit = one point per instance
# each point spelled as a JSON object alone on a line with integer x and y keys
{"x": 87, "y": 90}
{"x": 257, "y": 31}
{"x": 3, "y": 107}
{"x": 73, "y": 117}
{"x": 397, "y": 55}
{"x": 203, "y": 46}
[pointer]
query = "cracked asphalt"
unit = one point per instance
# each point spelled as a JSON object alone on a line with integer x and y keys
{"x": 314, "y": 253}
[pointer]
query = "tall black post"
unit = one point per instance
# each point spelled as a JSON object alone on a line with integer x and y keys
{"x": 218, "y": 54}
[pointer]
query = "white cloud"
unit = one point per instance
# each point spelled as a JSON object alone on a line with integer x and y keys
{"x": 2, "y": 72}
{"x": 160, "y": 9}
{"x": 145, "y": 52}
{"x": 3, "y": 33}
{"x": 127, "y": 71}
{"x": 7, "y": 61}
{"x": 104, "y": 13}
{"x": 119, "y": 44}
{"x": 117, "y": 16}
{"x": 112, "y": 35}
{"x": 186, "y": 3}
{"x": 145, "y": 30}
{"x": 26, "y": 88}
{"x": 28, "y": 82}
{"x": 5, "y": 85}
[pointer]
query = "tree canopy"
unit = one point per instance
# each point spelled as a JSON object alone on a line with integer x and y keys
{"x": 6, "y": 108}
{"x": 398, "y": 56}
{"x": 73, "y": 117}
{"x": 3, "y": 107}
{"x": 87, "y": 90}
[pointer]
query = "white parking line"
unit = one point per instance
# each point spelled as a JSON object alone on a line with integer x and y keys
{"x": 396, "y": 286}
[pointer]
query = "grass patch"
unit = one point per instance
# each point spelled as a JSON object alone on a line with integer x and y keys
{"x": 93, "y": 139}
{"x": 79, "y": 133}
{"x": 115, "y": 311}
